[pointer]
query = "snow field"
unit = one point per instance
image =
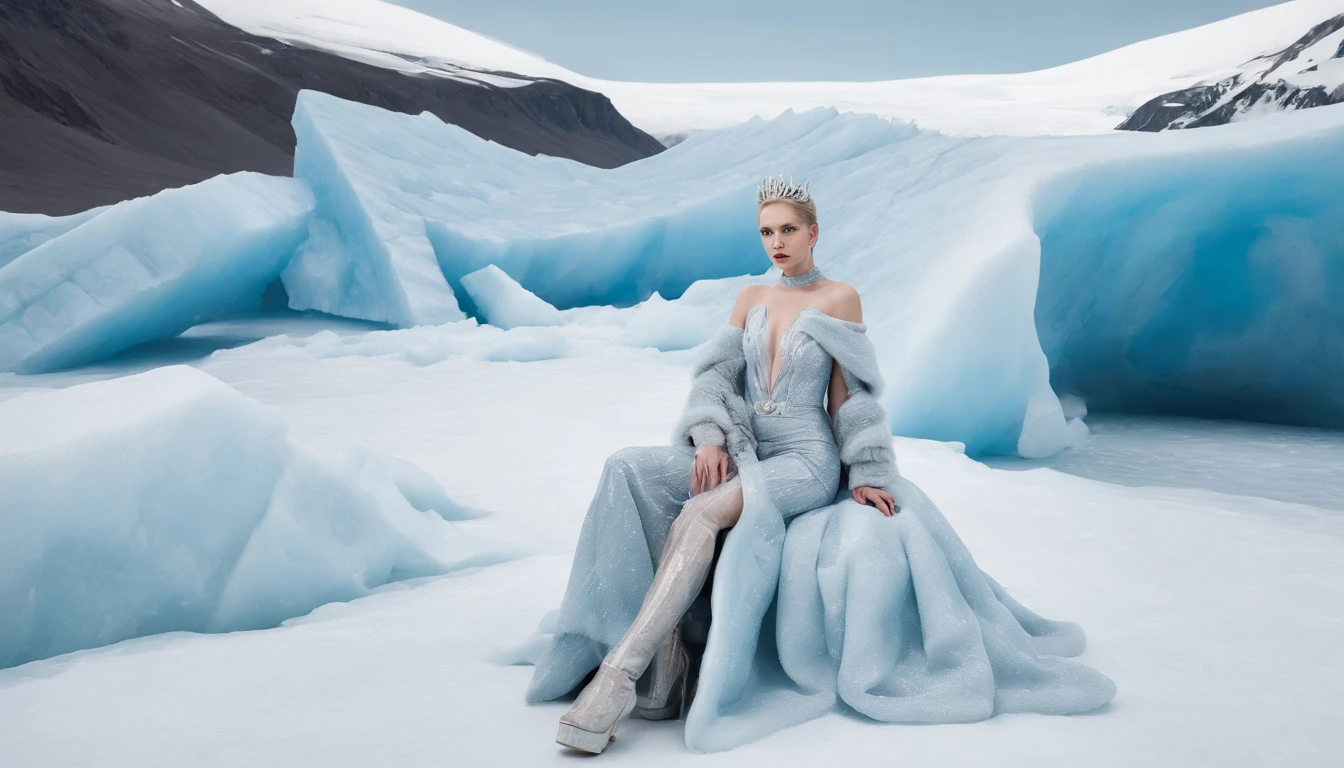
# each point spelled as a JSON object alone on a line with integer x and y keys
{"x": 1211, "y": 611}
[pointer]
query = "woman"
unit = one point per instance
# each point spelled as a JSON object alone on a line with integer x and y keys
{"x": 816, "y": 599}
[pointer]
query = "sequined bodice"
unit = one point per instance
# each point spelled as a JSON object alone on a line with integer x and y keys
{"x": 804, "y": 368}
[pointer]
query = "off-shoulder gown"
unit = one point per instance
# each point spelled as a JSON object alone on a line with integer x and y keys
{"x": 818, "y": 602}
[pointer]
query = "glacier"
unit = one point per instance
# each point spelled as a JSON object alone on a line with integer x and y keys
{"x": 949, "y": 240}
{"x": 168, "y": 501}
{"x": 148, "y": 268}
{"x": 1190, "y": 272}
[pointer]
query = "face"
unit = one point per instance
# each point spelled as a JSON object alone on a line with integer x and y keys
{"x": 786, "y": 241}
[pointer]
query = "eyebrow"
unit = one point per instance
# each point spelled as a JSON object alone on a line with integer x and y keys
{"x": 785, "y": 224}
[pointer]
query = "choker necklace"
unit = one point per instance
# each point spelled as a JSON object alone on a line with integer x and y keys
{"x": 810, "y": 276}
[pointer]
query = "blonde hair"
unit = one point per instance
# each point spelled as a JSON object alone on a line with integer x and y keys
{"x": 806, "y": 211}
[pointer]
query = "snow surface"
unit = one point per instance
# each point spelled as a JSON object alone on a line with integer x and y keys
{"x": 1087, "y": 96}
{"x": 167, "y": 501}
{"x": 947, "y": 240}
{"x": 1214, "y": 612}
{"x": 500, "y": 301}
{"x": 148, "y": 268}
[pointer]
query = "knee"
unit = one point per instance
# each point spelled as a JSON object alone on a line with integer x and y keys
{"x": 623, "y": 460}
{"x": 715, "y": 509}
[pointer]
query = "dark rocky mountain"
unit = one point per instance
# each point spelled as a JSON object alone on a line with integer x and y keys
{"x": 1309, "y": 73}
{"x": 105, "y": 100}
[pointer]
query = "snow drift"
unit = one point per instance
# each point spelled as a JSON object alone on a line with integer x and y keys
{"x": 167, "y": 501}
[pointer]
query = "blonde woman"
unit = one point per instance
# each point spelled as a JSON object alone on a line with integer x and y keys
{"x": 783, "y": 441}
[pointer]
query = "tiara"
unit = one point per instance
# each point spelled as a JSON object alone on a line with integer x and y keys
{"x": 775, "y": 188}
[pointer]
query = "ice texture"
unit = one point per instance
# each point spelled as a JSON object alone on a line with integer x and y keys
{"x": 148, "y": 268}
{"x": 367, "y": 255}
{"x": 1206, "y": 285}
{"x": 408, "y": 205}
{"x": 946, "y": 238}
{"x": 22, "y": 232}
{"x": 168, "y": 501}
{"x": 500, "y": 301}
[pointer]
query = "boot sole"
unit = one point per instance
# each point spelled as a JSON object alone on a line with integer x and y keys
{"x": 575, "y": 737}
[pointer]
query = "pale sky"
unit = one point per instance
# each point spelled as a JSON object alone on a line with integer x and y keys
{"x": 737, "y": 40}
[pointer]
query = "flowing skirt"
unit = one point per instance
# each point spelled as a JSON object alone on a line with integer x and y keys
{"x": 814, "y": 608}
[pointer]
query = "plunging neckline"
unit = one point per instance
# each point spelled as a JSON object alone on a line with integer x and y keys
{"x": 773, "y": 378}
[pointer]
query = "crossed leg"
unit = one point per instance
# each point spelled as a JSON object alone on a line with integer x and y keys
{"x": 681, "y": 573}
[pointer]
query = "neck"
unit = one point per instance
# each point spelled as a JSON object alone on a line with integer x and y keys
{"x": 800, "y": 269}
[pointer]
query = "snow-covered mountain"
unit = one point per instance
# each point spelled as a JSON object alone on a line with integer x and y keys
{"x": 1086, "y": 96}
{"x": 1308, "y": 73}
{"x": 104, "y": 100}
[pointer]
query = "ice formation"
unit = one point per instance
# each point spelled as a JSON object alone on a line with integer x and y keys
{"x": 168, "y": 501}
{"x": 1206, "y": 284}
{"x": 500, "y": 301}
{"x": 947, "y": 240}
{"x": 408, "y": 205}
{"x": 148, "y": 268}
{"x": 22, "y": 232}
{"x": 1128, "y": 270}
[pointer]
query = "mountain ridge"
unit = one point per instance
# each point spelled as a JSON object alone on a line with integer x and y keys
{"x": 106, "y": 100}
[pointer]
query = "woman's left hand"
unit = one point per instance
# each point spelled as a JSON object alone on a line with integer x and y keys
{"x": 877, "y": 497}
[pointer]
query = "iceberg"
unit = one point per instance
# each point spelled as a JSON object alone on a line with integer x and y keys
{"x": 500, "y": 301}
{"x": 168, "y": 501}
{"x": 148, "y": 268}
{"x": 992, "y": 269}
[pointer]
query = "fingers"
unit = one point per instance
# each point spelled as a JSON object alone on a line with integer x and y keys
{"x": 876, "y": 497}
{"x": 891, "y": 504}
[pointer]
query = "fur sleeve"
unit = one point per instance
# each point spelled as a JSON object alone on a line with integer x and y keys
{"x": 716, "y": 399}
{"x": 864, "y": 439}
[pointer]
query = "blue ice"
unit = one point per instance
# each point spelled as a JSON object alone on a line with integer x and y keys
{"x": 947, "y": 238}
{"x": 1209, "y": 284}
{"x": 148, "y": 268}
{"x": 1197, "y": 271}
{"x": 408, "y": 205}
{"x": 22, "y": 232}
{"x": 168, "y": 501}
{"x": 499, "y": 300}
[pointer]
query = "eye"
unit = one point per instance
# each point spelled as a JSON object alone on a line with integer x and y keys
{"x": 765, "y": 232}
{"x": 788, "y": 229}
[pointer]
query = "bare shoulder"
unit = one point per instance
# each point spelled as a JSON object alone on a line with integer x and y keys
{"x": 843, "y": 302}
{"x": 748, "y": 297}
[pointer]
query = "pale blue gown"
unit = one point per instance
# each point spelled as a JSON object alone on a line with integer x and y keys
{"x": 778, "y": 653}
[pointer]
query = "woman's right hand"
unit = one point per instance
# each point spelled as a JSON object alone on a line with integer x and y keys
{"x": 711, "y": 468}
